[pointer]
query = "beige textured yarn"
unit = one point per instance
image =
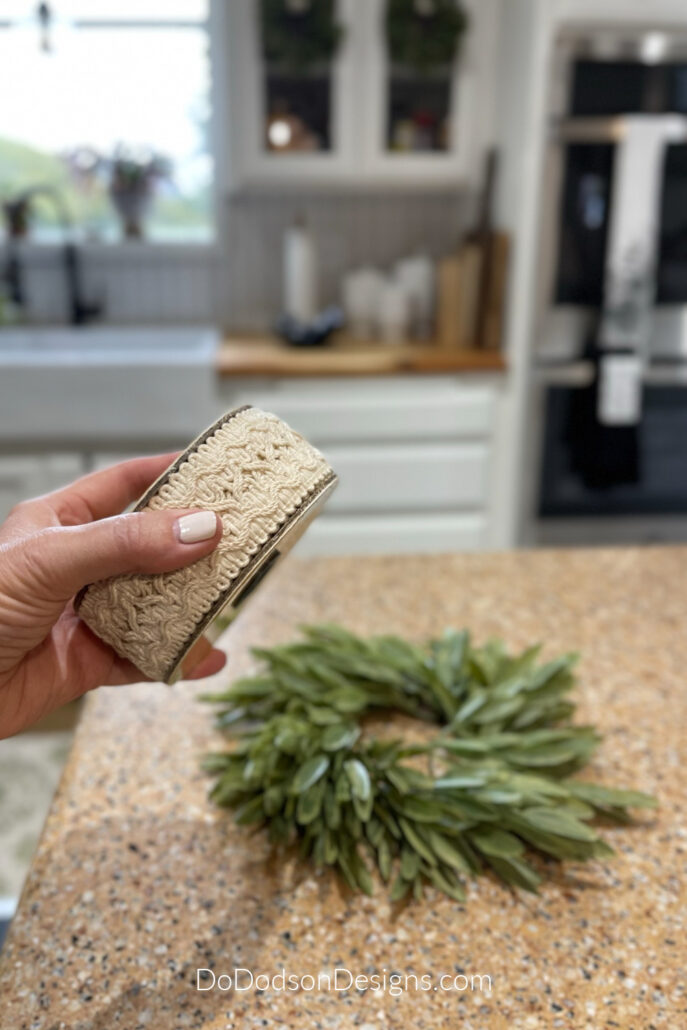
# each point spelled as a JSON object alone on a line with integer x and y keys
{"x": 255, "y": 473}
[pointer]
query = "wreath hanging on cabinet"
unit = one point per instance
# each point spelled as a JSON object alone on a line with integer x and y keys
{"x": 424, "y": 34}
{"x": 297, "y": 34}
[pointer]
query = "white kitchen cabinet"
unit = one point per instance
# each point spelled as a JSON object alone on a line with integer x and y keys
{"x": 361, "y": 146}
{"x": 414, "y": 456}
{"x": 401, "y": 534}
{"x": 23, "y": 477}
{"x": 402, "y": 477}
{"x": 373, "y": 411}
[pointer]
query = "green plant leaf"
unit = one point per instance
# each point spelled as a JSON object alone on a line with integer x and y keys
{"x": 515, "y": 872}
{"x": 447, "y": 853}
{"x": 309, "y": 773}
{"x": 343, "y": 735}
{"x": 359, "y": 778}
{"x": 558, "y": 822}
{"x": 310, "y": 803}
{"x": 494, "y": 842}
{"x": 410, "y": 863}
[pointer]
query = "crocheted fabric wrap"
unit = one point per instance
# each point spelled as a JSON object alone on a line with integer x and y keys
{"x": 255, "y": 473}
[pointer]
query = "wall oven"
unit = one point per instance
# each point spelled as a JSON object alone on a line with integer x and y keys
{"x": 611, "y": 341}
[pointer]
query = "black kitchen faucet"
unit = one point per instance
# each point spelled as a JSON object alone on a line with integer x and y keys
{"x": 16, "y": 213}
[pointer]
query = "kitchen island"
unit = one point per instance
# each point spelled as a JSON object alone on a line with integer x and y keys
{"x": 139, "y": 881}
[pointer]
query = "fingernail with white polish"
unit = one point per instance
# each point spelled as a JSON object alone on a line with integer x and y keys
{"x": 201, "y": 525}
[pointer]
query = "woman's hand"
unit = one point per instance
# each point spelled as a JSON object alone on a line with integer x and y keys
{"x": 53, "y": 546}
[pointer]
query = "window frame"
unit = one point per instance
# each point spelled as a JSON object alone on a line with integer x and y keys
{"x": 215, "y": 27}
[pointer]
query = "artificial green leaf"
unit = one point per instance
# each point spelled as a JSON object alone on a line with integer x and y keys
{"x": 559, "y": 822}
{"x": 363, "y": 809}
{"x": 309, "y": 773}
{"x": 607, "y": 797}
{"x": 415, "y": 839}
{"x": 515, "y": 872}
{"x": 332, "y": 808}
{"x": 442, "y": 882}
{"x": 494, "y": 842}
{"x": 342, "y": 735}
{"x": 250, "y": 812}
{"x": 410, "y": 863}
{"x": 399, "y": 888}
{"x": 309, "y": 803}
{"x": 447, "y": 853}
{"x": 384, "y": 859}
{"x": 359, "y": 778}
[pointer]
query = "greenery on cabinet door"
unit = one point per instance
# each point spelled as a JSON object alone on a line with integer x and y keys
{"x": 424, "y": 34}
{"x": 298, "y": 34}
{"x": 493, "y": 784}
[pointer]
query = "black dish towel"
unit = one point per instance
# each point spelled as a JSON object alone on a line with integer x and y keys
{"x": 602, "y": 456}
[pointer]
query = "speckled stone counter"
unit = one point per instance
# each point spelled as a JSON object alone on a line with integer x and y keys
{"x": 139, "y": 882}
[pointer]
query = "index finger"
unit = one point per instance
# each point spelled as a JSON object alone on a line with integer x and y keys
{"x": 108, "y": 491}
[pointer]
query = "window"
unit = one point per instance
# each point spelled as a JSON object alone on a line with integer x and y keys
{"x": 107, "y": 104}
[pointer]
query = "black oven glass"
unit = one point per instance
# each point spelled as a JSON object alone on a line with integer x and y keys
{"x": 660, "y": 482}
{"x": 602, "y": 88}
{"x": 585, "y": 204}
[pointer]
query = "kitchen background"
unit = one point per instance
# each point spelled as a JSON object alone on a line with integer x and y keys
{"x": 446, "y": 240}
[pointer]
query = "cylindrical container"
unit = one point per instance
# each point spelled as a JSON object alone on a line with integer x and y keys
{"x": 394, "y": 313}
{"x": 266, "y": 483}
{"x": 300, "y": 273}
{"x": 417, "y": 276}
{"x": 362, "y": 296}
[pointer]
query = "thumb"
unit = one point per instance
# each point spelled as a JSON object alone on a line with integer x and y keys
{"x": 63, "y": 560}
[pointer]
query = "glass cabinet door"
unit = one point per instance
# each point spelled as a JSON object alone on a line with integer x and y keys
{"x": 327, "y": 91}
{"x": 292, "y": 90}
{"x": 418, "y": 116}
{"x": 429, "y": 74}
{"x": 299, "y": 41}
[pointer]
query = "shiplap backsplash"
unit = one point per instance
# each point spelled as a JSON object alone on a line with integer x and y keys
{"x": 239, "y": 285}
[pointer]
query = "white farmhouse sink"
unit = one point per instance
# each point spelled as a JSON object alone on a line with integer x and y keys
{"x": 106, "y": 346}
{"x": 104, "y": 383}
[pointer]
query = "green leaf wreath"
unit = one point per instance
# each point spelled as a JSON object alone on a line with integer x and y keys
{"x": 298, "y": 36}
{"x": 492, "y": 783}
{"x": 424, "y": 34}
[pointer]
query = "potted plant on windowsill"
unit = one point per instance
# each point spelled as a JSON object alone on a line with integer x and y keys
{"x": 133, "y": 179}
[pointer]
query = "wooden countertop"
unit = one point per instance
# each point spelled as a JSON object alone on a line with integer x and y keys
{"x": 139, "y": 881}
{"x": 268, "y": 356}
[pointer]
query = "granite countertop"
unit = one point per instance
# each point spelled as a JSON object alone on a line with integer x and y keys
{"x": 139, "y": 881}
{"x": 267, "y": 356}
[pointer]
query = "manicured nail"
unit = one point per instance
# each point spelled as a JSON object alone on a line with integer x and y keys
{"x": 201, "y": 525}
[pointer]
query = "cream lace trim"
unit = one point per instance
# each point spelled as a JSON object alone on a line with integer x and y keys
{"x": 254, "y": 471}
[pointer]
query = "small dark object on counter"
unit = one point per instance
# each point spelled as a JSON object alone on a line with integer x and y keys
{"x": 311, "y": 334}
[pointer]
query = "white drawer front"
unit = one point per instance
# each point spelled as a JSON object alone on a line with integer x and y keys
{"x": 400, "y": 534}
{"x": 409, "y": 478}
{"x": 343, "y": 411}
